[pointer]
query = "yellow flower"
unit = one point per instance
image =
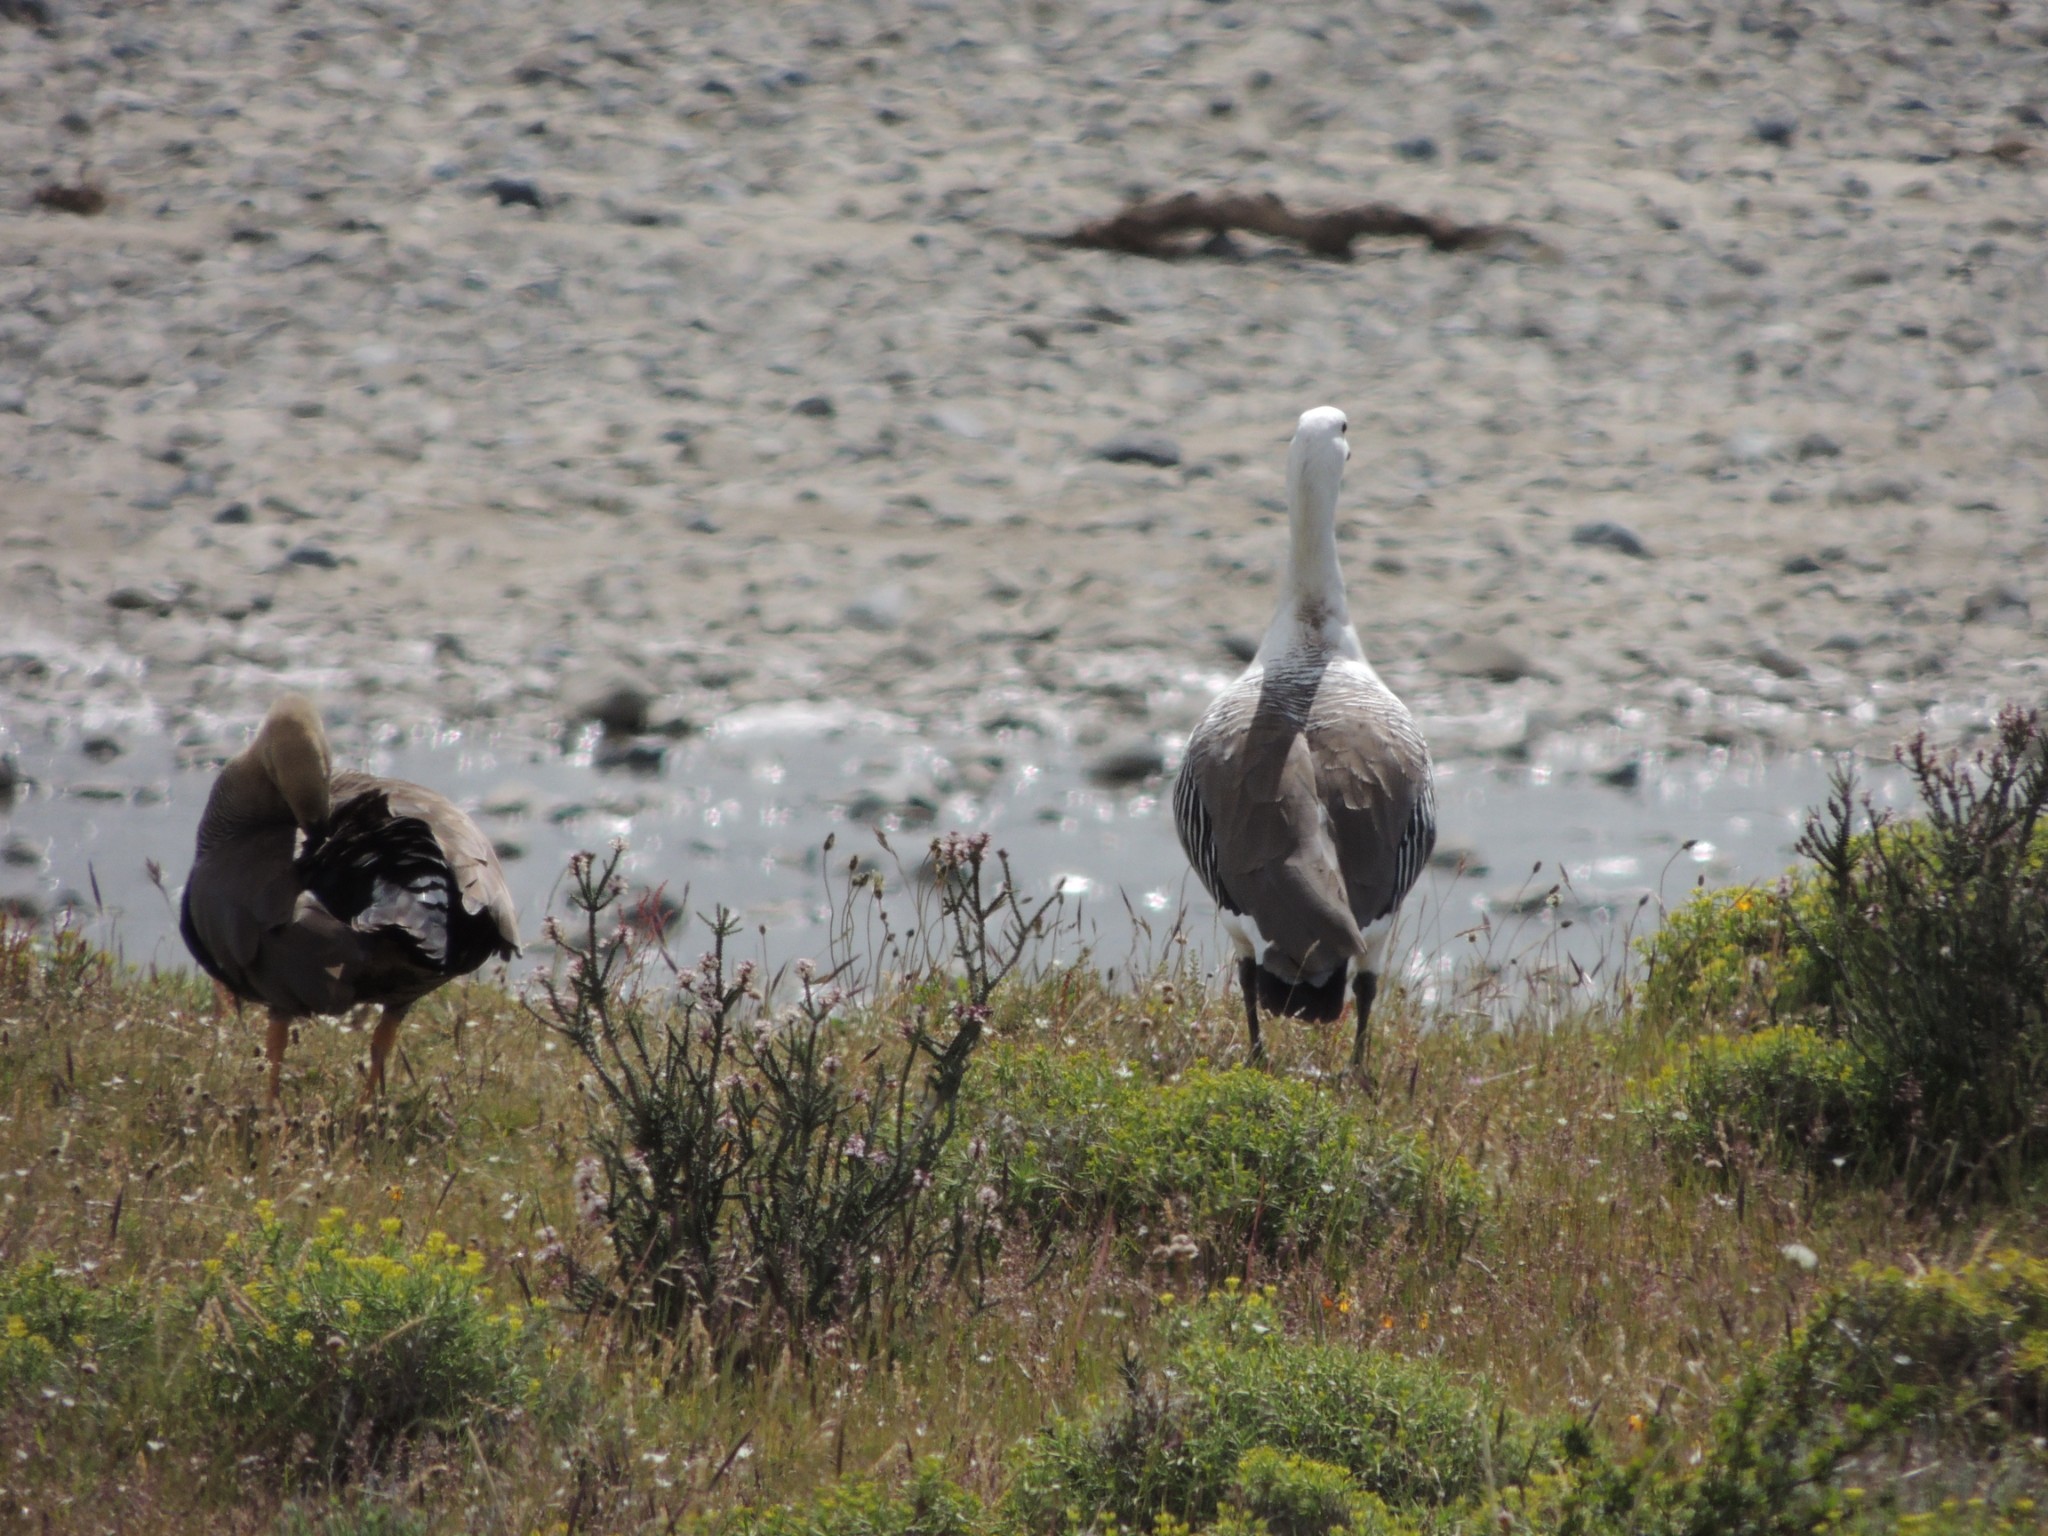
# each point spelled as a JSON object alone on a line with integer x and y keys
{"x": 17, "y": 1327}
{"x": 352, "y": 1307}
{"x": 390, "y": 1226}
{"x": 303, "y": 1338}
{"x": 211, "y": 1266}
{"x": 292, "y": 1298}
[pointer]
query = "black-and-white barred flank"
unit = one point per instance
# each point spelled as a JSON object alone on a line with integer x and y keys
{"x": 1418, "y": 842}
{"x": 378, "y": 871}
{"x": 1198, "y": 839}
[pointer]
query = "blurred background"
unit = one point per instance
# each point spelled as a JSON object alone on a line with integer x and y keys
{"x": 682, "y": 422}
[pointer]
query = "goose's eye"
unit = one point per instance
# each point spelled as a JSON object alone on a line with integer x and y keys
{"x": 1344, "y": 429}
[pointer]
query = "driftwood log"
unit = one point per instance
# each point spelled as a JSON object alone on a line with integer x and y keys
{"x": 1158, "y": 228}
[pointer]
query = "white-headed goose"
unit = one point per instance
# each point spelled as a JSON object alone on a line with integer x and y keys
{"x": 314, "y": 891}
{"x": 1304, "y": 802}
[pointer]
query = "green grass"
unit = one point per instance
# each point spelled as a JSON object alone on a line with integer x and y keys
{"x": 1512, "y": 1309}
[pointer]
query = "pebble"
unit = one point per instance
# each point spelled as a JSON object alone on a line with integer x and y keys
{"x": 1607, "y": 535}
{"x": 1139, "y": 448}
{"x": 879, "y": 611}
{"x": 819, "y": 406}
{"x": 512, "y": 191}
{"x": 1623, "y": 775}
{"x": 1775, "y": 130}
{"x": 1128, "y": 762}
{"x": 23, "y": 852}
{"x": 141, "y": 600}
{"x": 1484, "y": 656}
{"x": 1777, "y": 663}
{"x": 1420, "y": 147}
{"x": 1800, "y": 565}
{"x": 234, "y": 513}
{"x": 313, "y": 556}
{"x": 1817, "y": 445}
{"x": 1874, "y": 490}
{"x": 101, "y": 749}
{"x": 2001, "y": 604}
{"x": 619, "y": 705}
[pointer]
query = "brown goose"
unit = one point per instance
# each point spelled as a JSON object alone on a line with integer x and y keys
{"x": 314, "y": 891}
{"x": 1304, "y": 800}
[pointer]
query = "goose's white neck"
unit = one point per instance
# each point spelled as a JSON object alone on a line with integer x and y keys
{"x": 1313, "y": 615}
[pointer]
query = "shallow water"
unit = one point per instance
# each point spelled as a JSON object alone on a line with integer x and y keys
{"x": 740, "y": 816}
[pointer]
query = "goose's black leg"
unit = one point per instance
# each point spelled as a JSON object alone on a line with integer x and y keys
{"x": 1248, "y": 984}
{"x": 1364, "y": 987}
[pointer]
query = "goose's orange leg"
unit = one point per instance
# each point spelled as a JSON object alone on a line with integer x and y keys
{"x": 279, "y": 1037}
{"x": 380, "y": 1046}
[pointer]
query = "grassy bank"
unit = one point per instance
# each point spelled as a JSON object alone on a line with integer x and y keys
{"x": 1128, "y": 1281}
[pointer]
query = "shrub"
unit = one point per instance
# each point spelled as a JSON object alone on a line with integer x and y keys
{"x": 751, "y": 1181}
{"x": 1734, "y": 954}
{"x": 340, "y": 1345}
{"x": 1935, "y": 941}
{"x": 1953, "y": 1362}
{"x": 61, "y": 1332}
{"x": 1809, "y": 1097}
{"x": 1407, "y": 1431}
{"x": 1238, "y": 1159}
{"x": 1295, "y": 1496}
{"x": 929, "y": 1505}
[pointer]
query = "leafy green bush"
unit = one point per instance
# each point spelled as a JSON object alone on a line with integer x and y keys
{"x": 1735, "y": 954}
{"x": 1296, "y": 1496}
{"x": 1935, "y": 941}
{"x": 1407, "y": 1431}
{"x": 1951, "y": 1362}
{"x": 1230, "y": 1159}
{"x": 62, "y": 1333}
{"x": 363, "y": 1517}
{"x": 1809, "y": 1097}
{"x": 337, "y": 1346}
{"x": 1916, "y": 953}
{"x": 929, "y": 1505}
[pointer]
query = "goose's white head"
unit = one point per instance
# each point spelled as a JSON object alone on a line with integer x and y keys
{"x": 1316, "y": 457}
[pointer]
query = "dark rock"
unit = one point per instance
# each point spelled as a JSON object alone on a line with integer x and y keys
{"x": 1777, "y": 663}
{"x": 1800, "y": 565}
{"x": 512, "y": 190}
{"x": 97, "y": 789}
{"x": 101, "y": 749}
{"x": 1775, "y": 130}
{"x": 1817, "y": 445}
{"x": 12, "y": 782}
{"x": 1128, "y": 763}
{"x": 1606, "y": 535}
{"x": 1845, "y": 643}
{"x": 141, "y": 600}
{"x": 811, "y": 405}
{"x": 1871, "y": 491}
{"x": 1484, "y": 656}
{"x": 1623, "y": 775}
{"x": 233, "y": 513}
{"x": 1788, "y": 494}
{"x": 21, "y": 909}
{"x": 2001, "y": 604}
{"x": 84, "y": 199}
{"x": 315, "y": 556}
{"x": 641, "y": 757}
{"x": 1242, "y": 647}
{"x": 23, "y": 852}
{"x": 1139, "y": 448}
{"x": 1420, "y": 147}
{"x": 620, "y": 705}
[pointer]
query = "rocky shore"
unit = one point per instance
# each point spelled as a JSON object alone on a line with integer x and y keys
{"x": 503, "y": 363}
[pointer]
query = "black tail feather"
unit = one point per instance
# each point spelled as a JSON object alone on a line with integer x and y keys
{"x": 1315, "y": 1002}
